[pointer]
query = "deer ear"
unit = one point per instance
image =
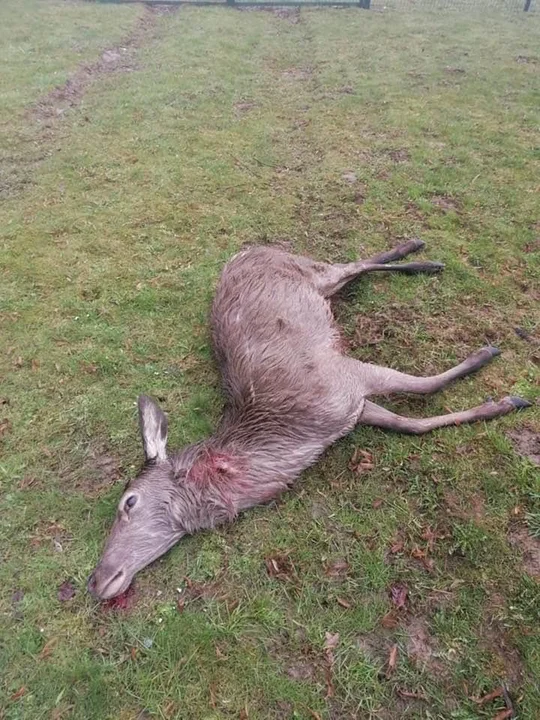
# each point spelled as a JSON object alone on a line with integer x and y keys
{"x": 153, "y": 426}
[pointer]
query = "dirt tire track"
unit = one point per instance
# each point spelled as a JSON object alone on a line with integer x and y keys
{"x": 49, "y": 110}
{"x": 40, "y": 136}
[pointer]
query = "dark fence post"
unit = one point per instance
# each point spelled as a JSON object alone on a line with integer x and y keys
{"x": 527, "y": 5}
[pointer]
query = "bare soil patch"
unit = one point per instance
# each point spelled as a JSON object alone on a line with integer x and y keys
{"x": 302, "y": 670}
{"x": 216, "y": 589}
{"x": 400, "y": 155}
{"x": 528, "y": 60}
{"x": 375, "y": 645}
{"x": 296, "y": 73}
{"x": 244, "y": 106}
{"x": 291, "y": 15}
{"x": 50, "y": 533}
{"x": 464, "y": 333}
{"x": 422, "y": 648}
{"x": 97, "y": 473}
{"x": 506, "y": 660}
{"x": 526, "y": 442}
{"x": 465, "y": 508}
{"x": 446, "y": 203}
{"x": 529, "y": 547}
{"x": 299, "y": 659}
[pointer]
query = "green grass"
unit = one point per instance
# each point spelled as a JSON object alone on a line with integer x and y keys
{"x": 237, "y": 126}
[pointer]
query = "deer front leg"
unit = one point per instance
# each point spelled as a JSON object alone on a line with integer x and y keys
{"x": 380, "y": 417}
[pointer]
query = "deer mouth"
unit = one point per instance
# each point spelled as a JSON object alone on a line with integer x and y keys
{"x": 107, "y": 588}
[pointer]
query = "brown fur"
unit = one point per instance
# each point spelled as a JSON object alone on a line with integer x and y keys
{"x": 290, "y": 393}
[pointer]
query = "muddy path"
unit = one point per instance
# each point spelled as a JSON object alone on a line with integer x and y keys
{"x": 51, "y": 108}
{"x": 43, "y": 125}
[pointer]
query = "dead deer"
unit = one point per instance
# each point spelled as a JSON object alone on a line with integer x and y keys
{"x": 290, "y": 393}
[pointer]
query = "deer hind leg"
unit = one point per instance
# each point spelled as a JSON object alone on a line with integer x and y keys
{"x": 385, "y": 381}
{"x": 380, "y": 417}
{"x": 331, "y": 278}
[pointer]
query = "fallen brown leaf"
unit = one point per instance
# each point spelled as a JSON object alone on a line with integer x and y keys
{"x": 413, "y": 695}
{"x": 428, "y": 563}
{"x": 377, "y": 503}
{"x": 47, "y": 649}
{"x": 279, "y": 566}
{"x": 498, "y": 692}
{"x": 331, "y": 640}
{"x": 5, "y": 426}
{"x": 390, "y": 620}
{"x": 35, "y": 365}
{"x": 431, "y": 536}
{"x": 398, "y": 595}
{"x": 26, "y": 482}
{"x": 344, "y": 603}
{"x": 504, "y": 714}
{"x": 18, "y": 695}
{"x": 420, "y": 555}
{"x": 392, "y": 660}
{"x": 66, "y": 591}
{"x": 60, "y": 712}
{"x": 212, "y": 691}
{"x": 89, "y": 368}
{"x": 361, "y": 461}
{"x": 219, "y": 653}
{"x": 133, "y": 653}
{"x": 314, "y": 715}
{"x": 329, "y": 682}
{"x": 244, "y": 714}
{"x": 338, "y": 568}
{"x": 397, "y": 547}
{"x": 17, "y": 597}
{"x": 170, "y": 709}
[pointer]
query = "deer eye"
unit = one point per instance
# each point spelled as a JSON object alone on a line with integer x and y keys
{"x": 130, "y": 502}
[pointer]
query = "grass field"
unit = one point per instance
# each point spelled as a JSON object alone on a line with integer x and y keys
{"x": 140, "y": 149}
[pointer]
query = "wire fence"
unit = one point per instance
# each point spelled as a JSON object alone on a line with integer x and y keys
{"x": 479, "y": 5}
{"x": 528, "y": 6}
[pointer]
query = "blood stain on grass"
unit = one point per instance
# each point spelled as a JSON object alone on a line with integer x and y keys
{"x": 125, "y": 601}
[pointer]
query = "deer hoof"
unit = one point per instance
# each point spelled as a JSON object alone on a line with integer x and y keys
{"x": 518, "y": 403}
